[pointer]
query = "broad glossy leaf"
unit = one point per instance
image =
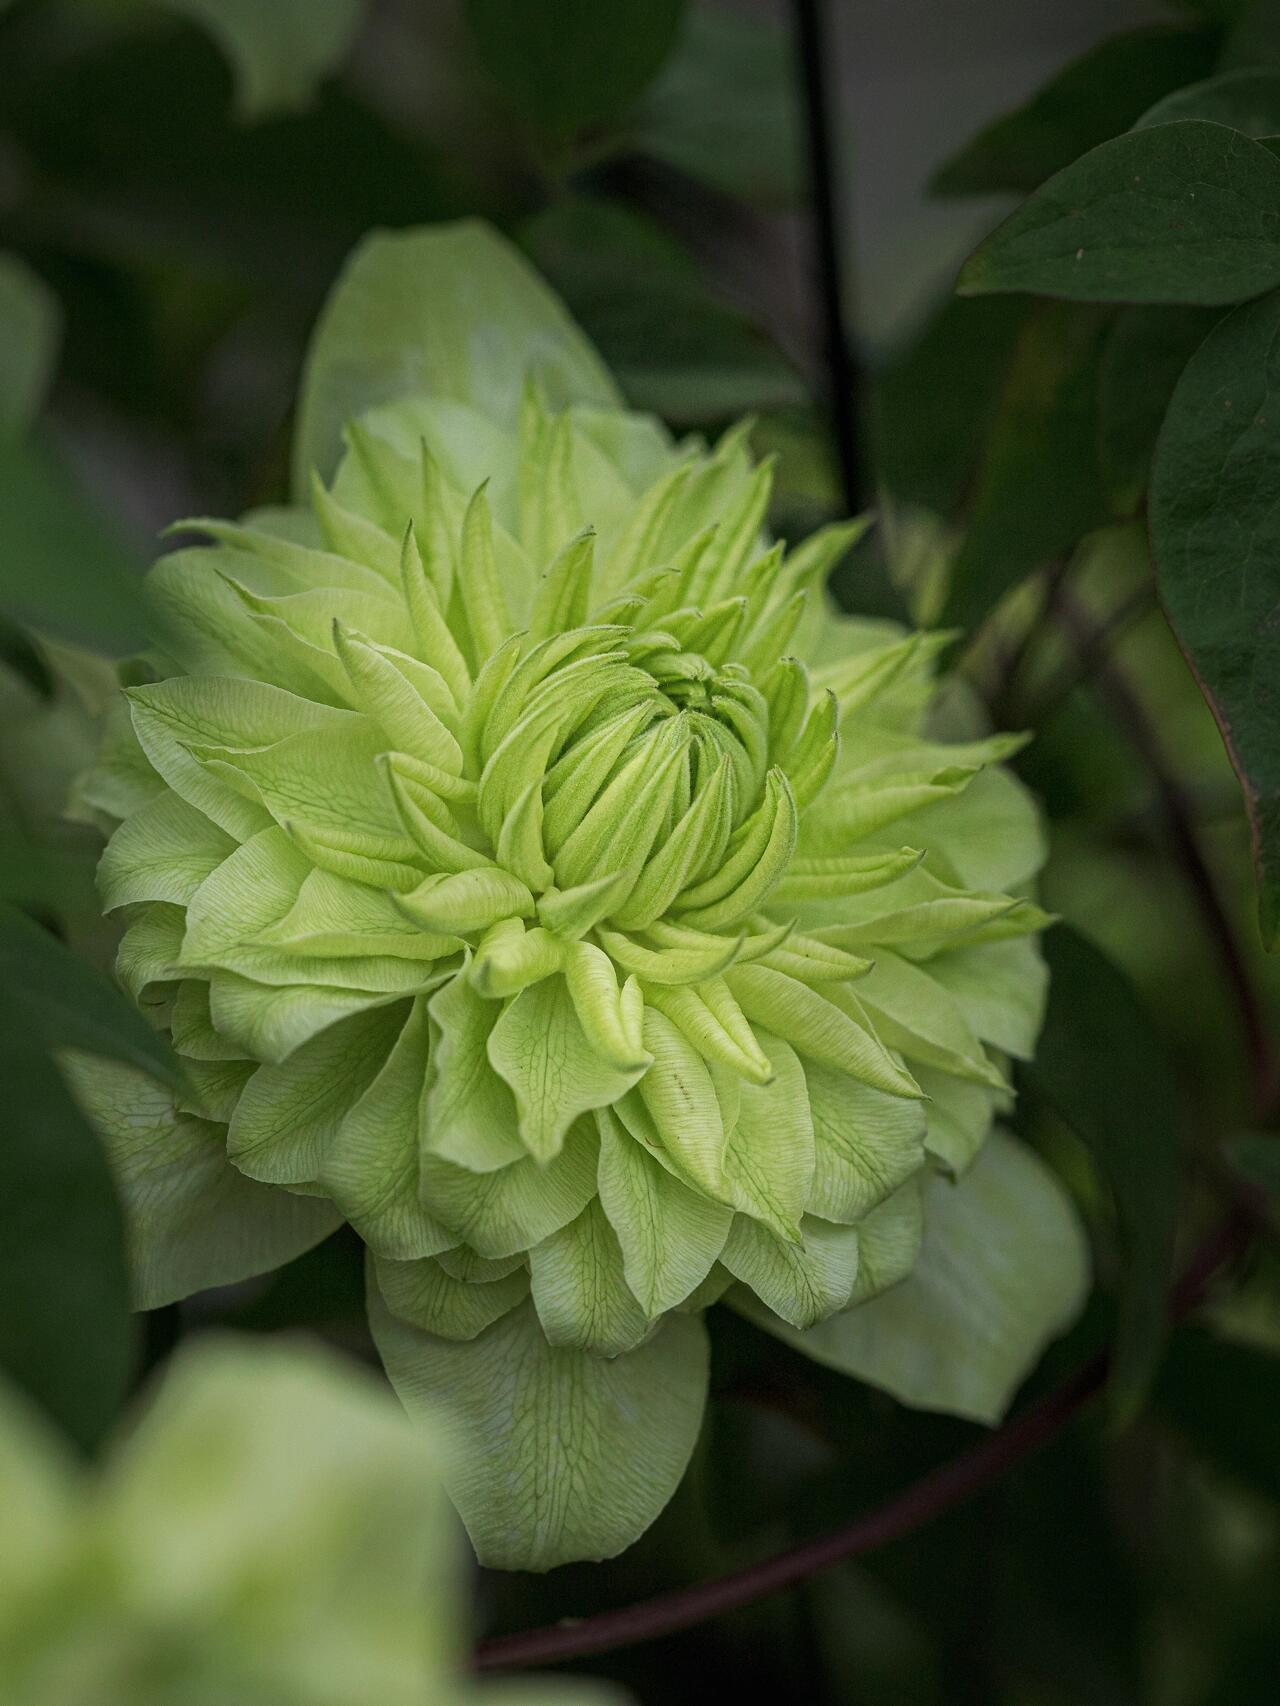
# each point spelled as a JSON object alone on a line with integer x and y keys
{"x": 567, "y": 64}
{"x": 1215, "y": 533}
{"x": 1246, "y": 100}
{"x": 1095, "y": 97}
{"x": 279, "y": 52}
{"x": 1104, "y": 1070}
{"x": 450, "y": 311}
{"x": 556, "y": 1454}
{"x": 65, "y": 1330}
{"x": 1143, "y": 356}
{"x": 1185, "y": 212}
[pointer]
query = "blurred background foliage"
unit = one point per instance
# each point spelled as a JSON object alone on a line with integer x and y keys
{"x": 179, "y": 182}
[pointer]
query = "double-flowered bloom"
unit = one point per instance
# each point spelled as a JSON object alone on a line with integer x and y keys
{"x": 534, "y": 870}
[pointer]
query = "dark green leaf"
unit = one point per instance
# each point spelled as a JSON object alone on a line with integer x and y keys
{"x": 1103, "y": 1068}
{"x": 1215, "y": 532}
{"x": 638, "y": 295}
{"x": 63, "y": 566}
{"x": 567, "y": 64}
{"x": 67, "y": 1004}
{"x": 1186, "y": 212}
{"x": 1039, "y": 487}
{"x": 724, "y": 109}
{"x": 1247, "y": 101}
{"x": 66, "y": 1334}
{"x": 1255, "y": 1155}
{"x": 1145, "y": 352}
{"x": 1254, "y": 38}
{"x": 1096, "y": 97}
{"x": 279, "y": 51}
{"x": 934, "y": 404}
{"x": 1224, "y": 1398}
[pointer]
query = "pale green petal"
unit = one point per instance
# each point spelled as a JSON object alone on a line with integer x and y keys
{"x": 469, "y": 1115}
{"x": 269, "y": 1024}
{"x": 670, "y": 1235}
{"x": 915, "y": 1014}
{"x": 540, "y": 1048}
{"x": 451, "y": 311}
{"x": 370, "y": 1166}
{"x": 580, "y": 1289}
{"x": 1002, "y": 988}
{"x": 515, "y": 1207}
{"x": 289, "y": 1113}
{"x": 556, "y": 1454}
{"x": 426, "y": 1295}
{"x": 866, "y": 1144}
{"x": 958, "y": 1116}
{"x": 193, "y": 1220}
{"x": 1004, "y": 1268}
{"x": 164, "y": 851}
{"x": 991, "y": 837}
{"x": 769, "y": 1156}
{"x": 803, "y": 1280}
{"x": 889, "y": 1240}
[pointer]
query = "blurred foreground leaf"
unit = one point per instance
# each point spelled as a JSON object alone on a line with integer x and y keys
{"x": 568, "y": 64}
{"x": 29, "y": 322}
{"x": 279, "y": 49}
{"x": 1215, "y": 532}
{"x": 66, "y": 1333}
{"x": 1103, "y": 1069}
{"x": 1094, "y": 98}
{"x": 63, "y": 567}
{"x": 673, "y": 347}
{"x": 1186, "y": 212}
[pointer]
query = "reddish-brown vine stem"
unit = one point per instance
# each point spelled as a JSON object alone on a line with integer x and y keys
{"x": 925, "y": 1499}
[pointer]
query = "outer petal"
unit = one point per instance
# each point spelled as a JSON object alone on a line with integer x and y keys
{"x": 1003, "y": 1269}
{"x": 556, "y": 1455}
{"x": 193, "y": 1220}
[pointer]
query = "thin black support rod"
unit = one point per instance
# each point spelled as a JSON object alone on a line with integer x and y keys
{"x": 813, "y": 46}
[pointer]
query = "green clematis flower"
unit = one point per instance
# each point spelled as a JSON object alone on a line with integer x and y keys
{"x": 273, "y": 1532}
{"x": 536, "y": 871}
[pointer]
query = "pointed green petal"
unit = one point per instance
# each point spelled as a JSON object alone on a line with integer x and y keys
{"x": 670, "y": 1235}
{"x": 580, "y": 1290}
